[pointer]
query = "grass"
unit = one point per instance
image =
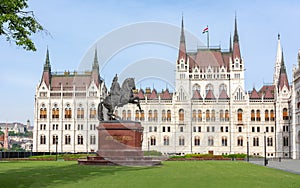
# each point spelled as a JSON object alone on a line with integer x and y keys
{"x": 38, "y": 174}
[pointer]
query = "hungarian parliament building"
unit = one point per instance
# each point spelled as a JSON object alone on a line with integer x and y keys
{"x": 210, "y": 111}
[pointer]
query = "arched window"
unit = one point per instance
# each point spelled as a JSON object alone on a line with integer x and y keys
{"x": 79, "y": 139}
{"x": 80, "y": 112}
{"x": 123, "y": 114}
{"x": 150, "y": 115}
{"x": 210, "y": 141}
{"x": 181, "y": 141}
{"x": 166, "y": 141}
{"x": 142, "y": 115}
{"x": 42, "y": 139}
{"x": 213, "y": 115}
{"x": 55, "y": 111}
{"x": 152, "y": 141}
{"x": 55, "y": 139}
{"x": 67, "y": 139}
{"x": 43, "y": 111}
{"x": 137, "y": 115}
{"x": 285, "y": 141}
{"x": 197, "y": 141}
{"x": 270, "y": 141}
{"x": 256, "y": 141}
{"x": 199, "y": 116}
{"x": 272, "y": 115}
{"x": 221, "y": 113}
{"x": 257, "y": 115}
{"x": 155, "y": 118}
{"x": 285, "y": 115}
{"x": 224, "y": 141}
{"x": 240, "y": 115}
{"x": 92, "y": 139}
{"x": 128, "y": 114}
{"x": 194, "y": 115}
{"x": 163, "y": 116}
{"x": 68, "y": 112}
{"x": 181, "y": 115}
{"x": 240, "y": 141}
{"x": 93, "y": 111}
{"x": 207, "y": 115}
{"x": 169, "y": 115}
{"x": 267, "y": 118}
{"x": 252, "y": 115}
{"x": 226, "y": 115}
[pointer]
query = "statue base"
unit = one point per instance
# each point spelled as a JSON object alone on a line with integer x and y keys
{"x": 120, "y": 143}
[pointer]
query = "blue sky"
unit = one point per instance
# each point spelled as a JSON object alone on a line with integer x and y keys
{"x": 75, "y": 26}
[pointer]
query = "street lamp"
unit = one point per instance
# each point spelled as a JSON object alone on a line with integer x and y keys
{"x": 265, "y": 148}
{"x": 247, "y": 148}
{"x": 56, "y": 142}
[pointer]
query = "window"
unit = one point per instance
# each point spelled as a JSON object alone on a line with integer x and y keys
{"x": 163, "y": 129}
{"x": 255, "y": 141}
{"x": 194, "y": 115}
{"x": 80, "y": 112}
{"x": 54, "y": 126}
{"x": 152, "y": 141}
{"x": 181, "y": 129}
{"x": 213, "y": 115}
{"x": 79, "y": 139}
{"x": 92, "y": 127}
{"x": 224, "y": 141}
{"x": 285, "y": 128}
{"x": 221, "y": 113}
{"x": 123, "y": 114}
{"x": 207, "y": 115}
{"x": 194, "y": 129}
{"x": 197, "y": 141}
{"x": 163, "y": 116}
{"x": 181, "y": 141}
{"x": 43, "y": 112}
{"x": 169, "y": 115}
{"x": 207, "y": 129}
{"x": 55, "y": 112}
{"x": 150, "y": 129}
{"x": 42, "y": 139}
{"x": 285, "y": 114}
{"x": 240, "y": 115}
{"x": 67, "y": 139}
{"x": 226, "y": 129}
{"x": 240, "y": 129}
{"x": 155, "y": 129}
{"x": 80, "y": 127}
{"x": 67, "y": 126}
{"x": 150, "y": 115}
{"x": 166, "y": 141}
{"x": 199, "y": 129}
{"x": 199, "y": 115}
{"x": 258, "y": 129}
{"x": 181, "y": 115}
{"x": 137, "y": 115}
{"x": 210, "y": 141}
{"x": 222, "y": 129}
{"x": 42, "y": 126}
{"x": 267, "y": 129}
{"x": 252, "y": 115}
{"x": 68, "y": 112}
{"x": 272, "y": 129}
{"x": 240, "y": 141}
{"x": 257, "y": 115}
{"x": 253, "y": 129}
{"x": 142, "y": 115}
{"x": 272, "y": 115}
{"x": 269, "y": 141}
{"x": 93, "y": 112}
{"x": 155, "y": 118}
{"x": 92, "y": 139}
{"x": 285, "y": 141}
{"x": 267, "y": 118}
{"x": 226, "y": 115}
{"x": 129, "y": 115}
{"x": 212, "y": 129}
{"x": 55, "y": 139}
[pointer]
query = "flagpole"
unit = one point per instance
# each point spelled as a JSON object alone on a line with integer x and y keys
{"x": 207, "y": 38}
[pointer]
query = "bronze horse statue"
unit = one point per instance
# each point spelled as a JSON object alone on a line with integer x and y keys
{"x": 118, "y": 97}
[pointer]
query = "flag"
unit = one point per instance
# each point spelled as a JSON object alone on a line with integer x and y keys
{"x": 205, "y": 30}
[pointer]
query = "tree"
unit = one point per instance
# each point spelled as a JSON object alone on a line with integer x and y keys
{"x": 17, "y": 23}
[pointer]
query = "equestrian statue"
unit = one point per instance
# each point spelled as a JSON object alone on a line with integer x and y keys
{"x": 118, "y": 97}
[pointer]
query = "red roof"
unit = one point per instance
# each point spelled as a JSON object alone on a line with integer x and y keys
{"x": 165, "y": 95}
{"x": 68, "y": 81}
{"x": 254, "y": 94}
{"x": 210, "y": 95}
{"x": 196, "y": 95}
{"x": 153, "y": 95}
{"x": 283, "y": 81}
{"x": 140, "y": 94}
{"x": 267, "y": 91}
{"x": 223, "y": 95}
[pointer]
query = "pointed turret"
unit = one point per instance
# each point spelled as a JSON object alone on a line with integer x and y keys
{"x": 236, "y": 45}
{"x": 278, "y": 62}
{"x": 283, "y": 80}
{"x": 182, "y": 46}
{"x": 230, "y": 44}
{"x": 46, "y": 77}
{"x": 95, "y": 70}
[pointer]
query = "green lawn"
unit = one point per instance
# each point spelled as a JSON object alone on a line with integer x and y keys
{"x": 171, "y": 174}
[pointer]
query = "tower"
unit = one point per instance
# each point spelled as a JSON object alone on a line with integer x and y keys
{"x": 95, "y": 69}
{"x": 278, "y": 62}
{"x": 46, "y": 77}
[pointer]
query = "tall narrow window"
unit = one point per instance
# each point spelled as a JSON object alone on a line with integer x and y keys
{"x": 67, "y": 139}
{"x": 199, "y": 115}
{"x": 152, "y": 141}
{"x": 150, "y": 115}
{"x": 226, "y": 115}
{"x": 210, "y": 141}
{"x": 42, "y": 139}
{"x": 68, "y": 112}
{"x": 221, "y": 113}
{"x": 285, "y": 141}
{"x": 224, "y": 141}
{"x": 252, "y": 115}
{"x": 255, "y": 141}
{"x": 169, "y": 115}
{"x": 93, "y": 112}
{"x": 166, "y": 141}
{"x": 137, "y": 115}
{"x": 43, "y": 112}
{"x": 213, "y": 115}
{"x": 197, "y": 141}
{"x": 207, "y": 115}
{"x": 123, "y": 114}
{"x": 240, "y": 115}
{"x": 163, "y": 116}
{"x": 240, "y": 141}
{"x": 270, "y": 141}
{"x": 181, "y": 141}
{"x": 80, "y": 112}
{"x": 272, "y": 115}
{"x": 155, "y": 117}
{"x": 92, "y": 139}
{"x": 194, "y": 115}
{"x": 267, "y": 118}
{"x": 181, "y": 115}
{"x": 257, "y": 115}
{"x": 55, "y": 111}
{"x": 142, "y": 115}
{"x": 79, "y": 139}
{"x": 128, "y": 114}
{"x": 285, "y": 115}
{"x": 55, "y": 139}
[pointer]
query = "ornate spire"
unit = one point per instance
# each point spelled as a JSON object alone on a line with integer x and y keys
{"x": 278, "y": 61}
{"x": 182, "y": 37}
{"x": 236, "y": 45}
{"x": 283, "y": 80}
{"x": 182, "y": 47}
{"x": 47, "y": 66}
{"x": 230, "y": 44}
{"x": 235, "y": 36}
{"x": 96, "y": 64}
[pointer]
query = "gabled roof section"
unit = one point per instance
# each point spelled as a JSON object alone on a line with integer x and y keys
{"x": 254, "y": 94}
{"x": 223, "y": 95}
{"x": 283, "y": 80}
{"x": 153, "y": 95}
{"x": 210, "y": 95}
{"x": 197, "y": 95}
{"x": 166, "y": 95}
{"x": 140, "y": 94}
{"x": 267, "y": 91}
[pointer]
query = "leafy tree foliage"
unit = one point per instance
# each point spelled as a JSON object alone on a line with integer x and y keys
{"x": 17, "y": 23}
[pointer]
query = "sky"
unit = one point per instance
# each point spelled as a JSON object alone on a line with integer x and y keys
{"x": 75, "y": 28}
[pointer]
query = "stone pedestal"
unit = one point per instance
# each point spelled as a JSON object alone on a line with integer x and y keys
{"x": 120, "y": 143}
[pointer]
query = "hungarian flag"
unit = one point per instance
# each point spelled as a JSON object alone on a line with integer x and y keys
{"x": 205, "y": 30}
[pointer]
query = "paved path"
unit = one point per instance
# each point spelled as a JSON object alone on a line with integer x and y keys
{"x": 288, "y": 165}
